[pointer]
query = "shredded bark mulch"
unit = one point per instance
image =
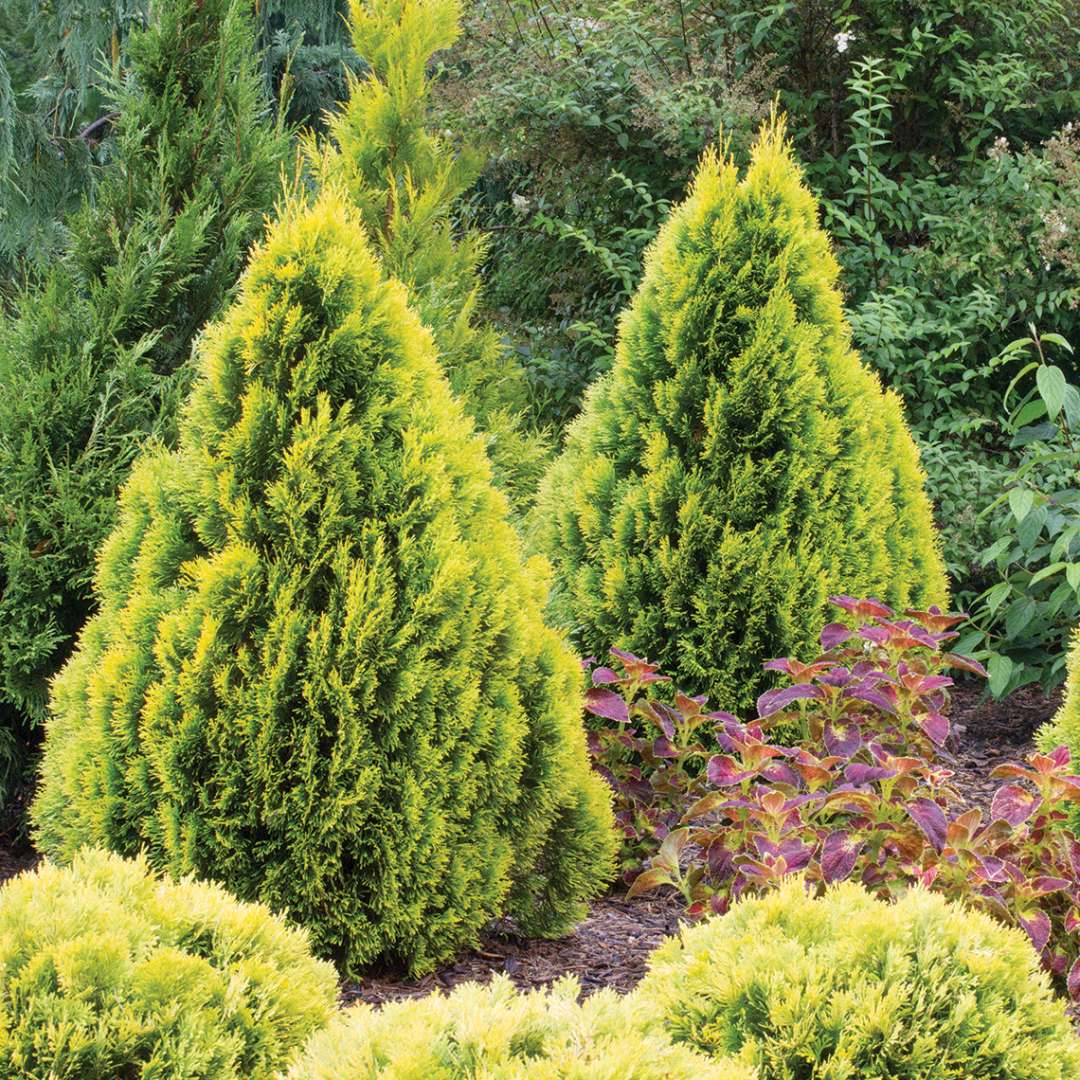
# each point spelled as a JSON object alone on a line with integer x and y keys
{"x": 611, "y": 947}
{"x": 608, "y": 949}
{"x": 992, "y": 733}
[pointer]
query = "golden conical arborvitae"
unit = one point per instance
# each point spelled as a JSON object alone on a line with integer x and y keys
{"x": 739, "y": 463}
{"x": 319, "y": 673}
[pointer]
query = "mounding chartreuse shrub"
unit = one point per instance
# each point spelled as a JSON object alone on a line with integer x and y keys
{"x": 739, "y": 463}
{"x": 488, "y": 1032}
{"x": 108, "y": 971}
{"x": 845, "y": 986}
{"x": 319, "y": 672}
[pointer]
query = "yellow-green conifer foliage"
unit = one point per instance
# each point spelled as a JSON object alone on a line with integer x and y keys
{"x": 1064, "y": 728}
{"x": 739, "y": 463}
{"x": 319, "y": 673}
{"x": 108, "y": 972}
{"x": 495, "y": 1033}
{"x": 406, "y": 179}
{"x": 845, "y": 987}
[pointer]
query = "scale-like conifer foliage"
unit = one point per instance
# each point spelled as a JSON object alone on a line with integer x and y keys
{"x": 1064, "y": 728}
{"x": 319, "y": 672}
{"x": 92, "y": 362}
{"x": 739, "y": 463}
{"x": 108, "y": 972}
{"x": 406, "y": 179}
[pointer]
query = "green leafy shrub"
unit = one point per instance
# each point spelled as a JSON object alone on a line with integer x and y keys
{"x": 107, "y": 971}
{"x": 493, "y": 1031}
{"x": 57, "y": 100}
{"x": 935, "y": 216}
{"x": 846, "y": 986}
{"x": 739, "y": 463}
{"x": 406, "y": 180}
{"x": 93, "y": 359}
{"x": 1021, "y": 619}
{"x": 319, "y": 672}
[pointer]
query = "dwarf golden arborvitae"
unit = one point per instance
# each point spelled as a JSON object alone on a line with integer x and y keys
{"x": 93, "y": 359}
{"x": 846, "y": 986}
{"x": 319, "y": 672}
{"x": 484, "y": 1032}
{"x": 108, "y": 972}
{"x": 405, "y": 180}
{"x": 739, "y": 463}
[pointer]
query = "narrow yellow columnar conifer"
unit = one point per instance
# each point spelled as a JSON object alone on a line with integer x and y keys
{"x": 739, "y": 463}
{"x": 405, "y": 179}
{"x": 319, "y": 673}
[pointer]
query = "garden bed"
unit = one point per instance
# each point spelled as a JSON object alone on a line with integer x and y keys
{"x": 610, "y": 948}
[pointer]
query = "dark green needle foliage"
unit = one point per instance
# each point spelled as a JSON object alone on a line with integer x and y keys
{"x": 319, "y": 672}
{"x": 739, "y": 463}
{"x": 406, "y": 180}
{"x": 92, "y": 362}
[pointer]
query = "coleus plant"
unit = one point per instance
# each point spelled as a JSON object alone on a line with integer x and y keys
{"x": 844, "y": 774}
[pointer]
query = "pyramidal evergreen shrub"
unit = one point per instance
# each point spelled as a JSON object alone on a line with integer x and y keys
{"x": 845, "y": 986}
{"x": 93, "y": 358}
{"x": 484, "y": 1032}
{"x": 406, "y": 179}
{"x": 107, "y": 971}
{"x": 739, "y": 463}
{"x": 319, "y": 672}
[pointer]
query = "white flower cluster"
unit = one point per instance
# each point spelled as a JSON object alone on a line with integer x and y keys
{"x": 843, "y": 40}
{"x": 521, "y": 204}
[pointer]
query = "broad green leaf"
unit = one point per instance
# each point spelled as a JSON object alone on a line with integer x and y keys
{"x": 1050, "y": 380}
{"x": 1000, "y": 669}
{"x": 1029, "y": 529}
{"x": 1020, "y": 502}
{"x": 994, "y": 596}
{"x": 1047, "y": 571}
{"x": 1072, "y": 575}
{"x": 1018, "y": 616}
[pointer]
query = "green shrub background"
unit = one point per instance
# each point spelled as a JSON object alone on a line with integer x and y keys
{"x": 739, "y": 464}
{"x": 319, "y": 672}
{"x": 107, "y": 971}
{"x": 93, "y": 356}
{"x": 847, "y": 986}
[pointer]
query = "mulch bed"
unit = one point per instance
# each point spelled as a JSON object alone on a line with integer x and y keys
{"x": 991, "y": 733}
{"x": 610, "y": 948}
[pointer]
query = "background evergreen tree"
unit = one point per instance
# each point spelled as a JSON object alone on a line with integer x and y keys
{"x": 739, "y": 463}
{"x": 58, "y": 110}
{"x": 319, "y": 673}
{"x": 406, "y": 179}
{"x": 92, "y": 361}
